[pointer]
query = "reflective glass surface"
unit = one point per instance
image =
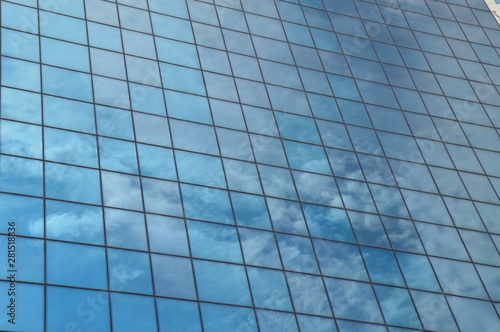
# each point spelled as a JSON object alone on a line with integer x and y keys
{"x": 250, "y": 165}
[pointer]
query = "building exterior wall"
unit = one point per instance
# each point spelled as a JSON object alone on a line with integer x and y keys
{"x": 249, "y": 165}
{"x": 494, "y": 6}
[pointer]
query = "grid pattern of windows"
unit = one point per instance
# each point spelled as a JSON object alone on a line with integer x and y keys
{"x": 251, "y": 165}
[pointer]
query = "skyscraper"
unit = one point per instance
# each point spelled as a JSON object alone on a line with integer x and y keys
{"x": 249, "y": 165}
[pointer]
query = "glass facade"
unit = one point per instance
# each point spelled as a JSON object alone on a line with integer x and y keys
{"x": 249, "y": 165}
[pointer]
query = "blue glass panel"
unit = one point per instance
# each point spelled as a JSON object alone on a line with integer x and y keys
{"x": 76, "y": 265}
{"x": 364, "y": 140}
{"x": 316, "y": 324}
{"x": 347, "y": 326}
{"x": 70, "y": 147}
{"x": 220, "y": 86}
{"x": 307, "y": 157}
{"x": 325, "y": 40}
{"x": 434, "y": 311}
{"x": 268, "y": 150}
{"x": 173, "y": 277}
{"x": 213, "y": 241}
{"x": 464, "y": 213}
{"x": 121, "y": 191}
{"x": 251, "y": 93}
{"x": 368, "y": 229}
{"x": 389, "y": 201}
{"x": 356, "y": 195}
{"x": 418, "y": 272}
{"x": 200, "y": 169}
{"x": 167, "y": 235}
{"x": 259, "y": 248}
{"x": 324, "y": 107}
{"x": 207, "y": 204}
{"x": 74, "y": 29}
{"x": 480, "y": 247}
{"x": 340, "y": 260}
{"x": 138, "y": 44}
{"x": 29, "y": 303}
{"x": 334, "y": 135}
{"x": 226, "y": 114}
{"x": 151, "y": 129}
{"x": 272, "y": 321}
{"x": 234, "y": 144}
{"x": 382, "y": 266}
{"x": 19, "y": 17}
{"x": 125, "y": 229}
{"x": 277, "y": 182}
{"x": 297, "y": 253}
{"x": 458, "y": 278}
{"x": 104, "y": 36}
{"x": 194, "y": 137}
{"x": 402, "y": 235}
{"x": 125, "y": 307}
{"x": 161, "y": 197}
{"x": 250, "y": 210}
{"x": 472, "y": 314}
{"x": 297, "y": 128}
{"x": 28, "y": 261}
{"x": 68, "y": 114}
{"x": 234, "y": 289}
{"x": 242, "y": 176}
{"x": 69, "y": 308}
{"x": 286, "y": 216}
{"x": 63, "y": 54}
{"x": 353, "y": 300}
{"x": 129, "y": 271}
{"x": 188, "y": 107}
{"x": 244, "y": 67}
{"x": 261, "y": 281}
{"x": 308, "y": 294}
{"x": 319, "y": 189}
{"x": 207, "y": 35}
{"x": 66, "y": 182}
{"x": 397, "y": 306}
{"x": 433, "y": 238}
{"x": 20, "y": 45}
{"x": 101, "y": 12}
{"x": 220, "y": 318}
{"x": 315, "y": 81}
{"x": 66, "y": 83}
{"x": 74, "y": 222}
{"x": 178, "y": 316}
{"x": 328, "y": 223}
{"x": 344, "y": 87}
{"x": 280, "y": 74}
{"x": 20, "y": 74}
{"x": 156, "y": 162}
{"x": 111, "y": 92}
{"x": 182, "y": 79}
{"x": 489, "y": 276}
{"x": 345, "y": 164}
{"x": 114, "y": 122}
{"x": 426, "y": 207}
{"x": 260, "y": 121}
{"x": 20, "y": 139}
{"x": 147, "y": 99}
{"x": 27, "y": 212}
{"x": 20, "y": 105}
{"x": 354, "y": 113}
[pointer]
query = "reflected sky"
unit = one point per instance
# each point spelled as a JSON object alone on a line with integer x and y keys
{"x": 353, "y": 300}
{"x": 361, "y": 90}
{"x": 340, "y": 260}
{"x": 308, "y": 294}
